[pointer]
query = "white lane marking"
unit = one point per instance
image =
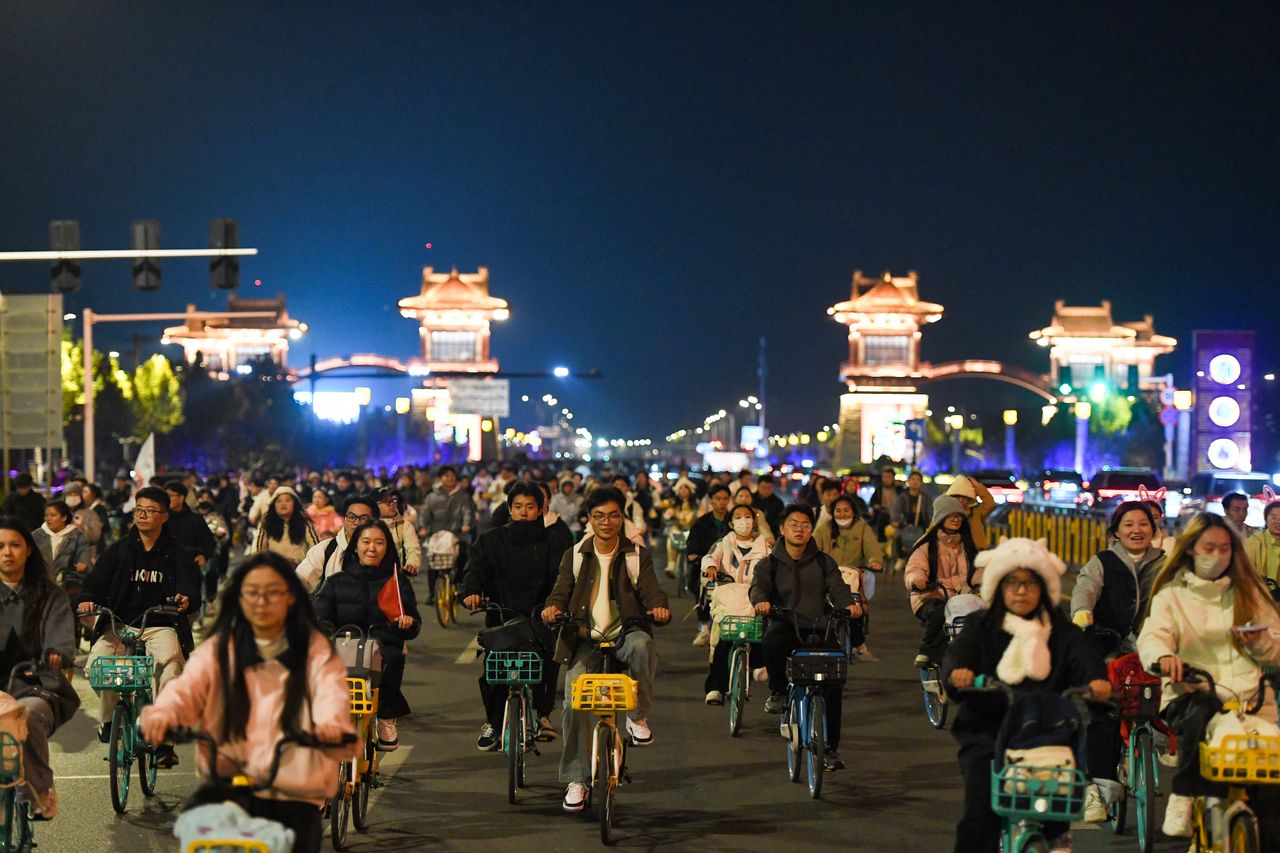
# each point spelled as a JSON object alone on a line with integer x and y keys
{"x": 468, "y": 655}
{"x": 390, "y": 761}
{"x": 62, "y": 776}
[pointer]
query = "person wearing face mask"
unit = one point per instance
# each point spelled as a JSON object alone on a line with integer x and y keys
{"x": 515, "y": 566}
{"x": 735, "y": 555}
{"x": 1111, "y": 592}
{"x": 1209, "y": 609}
{"x": 1025, "y": 641}
{"x": 1263, "y": 547}
{"x": 944, "y": 555}
{"x": 744, "y": 497}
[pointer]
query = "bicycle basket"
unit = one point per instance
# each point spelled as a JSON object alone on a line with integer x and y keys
{"x": 604, "y": 693}
{"x": 364, "y": 699}
{"x": 441, "y": 562}
{"x": 1135, "y": 692}
{"x": 1246, "y": 759}
{"x": 513, "y": 668}
{"x": 224, "y": 845}
{"x": 679, "y": 540}
{"x": 123, "y": 674}
{"x": 1021, "y": 792}
{"x": 741, "y": 629}
{"x": 10, "y": 759}
{"x": 817, "y": 667}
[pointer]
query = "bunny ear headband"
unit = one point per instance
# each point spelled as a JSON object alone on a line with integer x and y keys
{"x": 1268, "y": 494}
{"x": 1145, "y": 494}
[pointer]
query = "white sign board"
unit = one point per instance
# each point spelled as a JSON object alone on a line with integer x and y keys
{"x": 490, "y": 397}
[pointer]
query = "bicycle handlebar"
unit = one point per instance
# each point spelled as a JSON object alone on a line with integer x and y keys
{"x": 187, "y": 734}
{"x": 1195, "y": 675}
{"x": 985, "y": 684}
{"x": 117, "y": 622}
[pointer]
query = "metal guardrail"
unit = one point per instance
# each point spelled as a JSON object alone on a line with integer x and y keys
{"x": 1074, "y": 535}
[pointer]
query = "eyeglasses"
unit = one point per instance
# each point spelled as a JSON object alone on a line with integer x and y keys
{"x": 270, "y": 596}
{"x": 798, "y": 525}
{"x": 147, "y": 512}
{"x": 601, "y": 518}
{"x": 1019, "y": 585}
{"x": 357, "y": 519}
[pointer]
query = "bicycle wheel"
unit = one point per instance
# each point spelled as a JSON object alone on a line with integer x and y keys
{"x": 340, "y": 807}
{"x": 816, "y": 748}
{"x": 791, "y": 722}
{"x": 513, "y": 745}
{"x": 360, "y": 791}
{"x": 1146, "y": 785}
{"x": 1032, "y": 843}
{"x": 737, "y": 688}
{"x": 1243, "y": 832}
{"x": 24, "y": 828}
{"x": 146, "y": 770}
{"x": 682, "y": 575}
{"x": 120, "y": 756}
{"x": 444, "y": 600}
{"x": 1118, "y": 810}
{"x": 935, "y": 705}
{"x": 604, "y": 782}
{"x": 10, "y": 808}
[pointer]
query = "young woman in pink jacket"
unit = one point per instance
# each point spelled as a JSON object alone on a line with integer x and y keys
{"x": 266, "y": 671}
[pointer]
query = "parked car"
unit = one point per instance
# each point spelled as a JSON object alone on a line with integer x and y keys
{"x": 1206, "y": 491}
{"x": 1003, "y": 484}
{"x": 1057, "y": 487}
{"x": 1111, "y": 486}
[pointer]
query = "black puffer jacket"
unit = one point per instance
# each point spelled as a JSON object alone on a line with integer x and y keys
{"x": 350, "y": 597}
{"x": 515, "y": 565}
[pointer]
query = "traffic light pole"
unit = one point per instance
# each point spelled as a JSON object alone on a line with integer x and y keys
{"x": 90, "y": 318}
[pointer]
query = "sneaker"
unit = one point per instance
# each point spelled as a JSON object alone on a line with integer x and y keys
{"x": 104, "y": 733}
{"x": 863, "y": 654}
{"x": 714, "y": 697}
{"x": 1177, "y": 816}
{"x": 546, "y": 731}
{"x": 831, "y": 760}
{"x": 388, "y": 735}
{"x": 760, "y": 674}
{"x": 670, "y": 571}
{"x": 775, "y": 704}
{"x": 639, "y": 731}
{"x": 703, "y": 637}
{"x": 488, "y": 740}
{"x": 1095, "y": 808}
{"x": 1061, "y": 844}
{"x": 923, "y": 662}
{"x": 165, "y": 757}
{"x": 575, "y": 798}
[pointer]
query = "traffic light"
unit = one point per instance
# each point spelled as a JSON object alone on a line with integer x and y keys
{"x": 146, "y": 271}
{"x": 224, "y": 270}
{"x": 64, "y": 236}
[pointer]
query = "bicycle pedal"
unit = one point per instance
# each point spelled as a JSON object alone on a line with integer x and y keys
{"x": 535, "y": 751}
{"x": 626, "y": 776}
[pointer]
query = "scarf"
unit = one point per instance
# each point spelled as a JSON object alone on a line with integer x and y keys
{"x": 1027, "y": 655}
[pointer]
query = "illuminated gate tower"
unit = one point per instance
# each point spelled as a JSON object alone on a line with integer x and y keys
{"x": 884, "y": 316}
{"x": 455, "y": 310}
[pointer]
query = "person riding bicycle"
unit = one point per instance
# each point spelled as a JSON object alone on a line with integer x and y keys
{"x": 944, "y": 555}
{"x": 372, "y": 593}
{"x": 325, "y": 558}
{"x": 1025, "y": 641}
{"x": 850, "y": 541}
{"x": 730, "y": 564}
{"x": 606, "y": 605}
{"x": 798, "y": 576}
{"x": 1209, "y": 609}
{"x": 709, "y": 529}
{"x": 36, "y": 620}
{"x": 145, "y": 568}
{"x": 392, "y": 507}
{"x": 515, "y": 567}
{"x": 266, "y": 671}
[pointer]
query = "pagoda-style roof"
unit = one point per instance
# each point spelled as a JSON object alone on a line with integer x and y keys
{"x": 1096, "y": 322}
{"x": 885, "y": 295}
{"x": 454, "y": 291}
{"x": 200, "y": 327}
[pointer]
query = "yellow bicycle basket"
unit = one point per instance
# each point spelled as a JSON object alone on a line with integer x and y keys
{"x": 364, "y": 700}
{"x": 1242, "y": 759}
{"x": 216, "y": 845}
{"x": 604, "y": 693}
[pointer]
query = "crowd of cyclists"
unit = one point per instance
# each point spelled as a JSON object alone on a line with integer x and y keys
{"x": 245, "y": 653}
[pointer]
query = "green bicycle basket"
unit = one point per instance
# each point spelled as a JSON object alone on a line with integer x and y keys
{"x": 1020, "y": 792}
{"x": 10, "y": 759}
{"x": 124, "y": 674}
{"x": 741, "y": 629}
{"x": 513, "y": 668}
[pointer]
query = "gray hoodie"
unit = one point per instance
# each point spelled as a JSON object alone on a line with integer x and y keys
{"x": 801, "y": 585}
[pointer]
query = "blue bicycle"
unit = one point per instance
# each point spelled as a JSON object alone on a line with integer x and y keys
{"x": 804, "y": 722}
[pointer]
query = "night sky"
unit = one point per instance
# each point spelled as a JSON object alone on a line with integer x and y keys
{"x": 653, "y": 186}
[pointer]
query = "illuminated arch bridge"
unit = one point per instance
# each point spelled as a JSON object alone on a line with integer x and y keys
{"x": 982, "y": 369}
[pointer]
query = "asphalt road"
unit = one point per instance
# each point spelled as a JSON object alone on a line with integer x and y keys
{"x": 694, "y": 789}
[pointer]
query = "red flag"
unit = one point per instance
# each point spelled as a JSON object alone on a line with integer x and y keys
{"x": 389, "y": 601}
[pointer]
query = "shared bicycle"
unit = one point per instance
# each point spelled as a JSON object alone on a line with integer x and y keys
{"x": 935, "y": 697}
{"x": 518, "y": 671}
{"x": 1136, "y": 695}
{"x": 743, "y": 632}
{"x": 804, "y": 721}
{"x": 130, "y": 676}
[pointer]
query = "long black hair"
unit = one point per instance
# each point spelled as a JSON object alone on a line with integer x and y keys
{"x": 351, "y": 556}
{"x": 36, "y": 588}
{"x": 275, "y": 525}
{"x": 930, "y": 538}
{"x": 232, "y": 635}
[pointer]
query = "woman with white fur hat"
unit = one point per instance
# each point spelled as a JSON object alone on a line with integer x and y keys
{"x": 1026, "y": 642}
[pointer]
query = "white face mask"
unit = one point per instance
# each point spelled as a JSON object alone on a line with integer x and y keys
{"x": 1210, "y": 566}
{"x": 742, "y": 526}
{"x": 845, "y": 522}
{"x": 73, "y": 501}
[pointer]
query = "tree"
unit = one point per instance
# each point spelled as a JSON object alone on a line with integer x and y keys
{"x": 155, "y": 397}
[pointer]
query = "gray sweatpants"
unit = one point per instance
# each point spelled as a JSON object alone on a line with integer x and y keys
{"x": 639, "y": 654}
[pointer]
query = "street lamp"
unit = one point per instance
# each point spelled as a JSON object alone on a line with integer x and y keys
{"x": 560, "y": 372}
{"x": 1083, "y": 411}
{"x": 1010, "y": 448}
